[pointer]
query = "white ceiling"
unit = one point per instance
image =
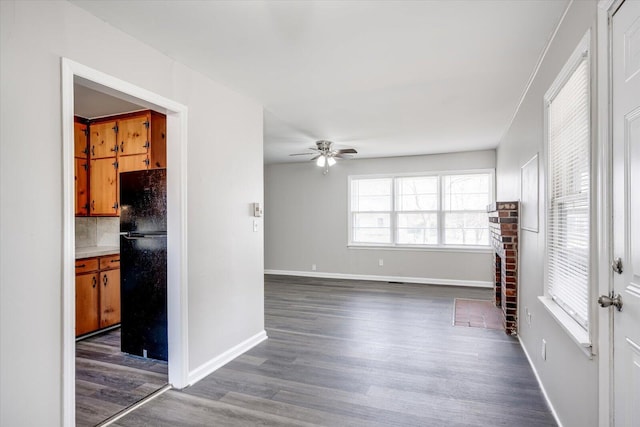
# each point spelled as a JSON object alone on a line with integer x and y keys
{"x": 90, "y": 103}
{"x": 389, "y": 78}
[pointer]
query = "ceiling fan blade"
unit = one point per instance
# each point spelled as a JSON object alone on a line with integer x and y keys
{"x": 343, "y": 156}
{"x": 315, "y": 157}
{"x": 347, "y": 151}
{"x": 304, "y": 154}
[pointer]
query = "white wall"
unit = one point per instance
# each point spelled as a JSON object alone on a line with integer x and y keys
{"x": 225, "y": 173}
{"x": 306, "y": 221}
{"x": 568, "y": 376}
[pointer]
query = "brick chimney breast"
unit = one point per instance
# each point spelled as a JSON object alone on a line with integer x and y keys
{"x": 503, "y": 236}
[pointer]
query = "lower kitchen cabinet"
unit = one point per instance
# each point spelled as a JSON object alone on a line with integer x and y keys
{"x": 97, "y": 293}
{"x": 86, "y": 303}
{"x": 109, "y": 298}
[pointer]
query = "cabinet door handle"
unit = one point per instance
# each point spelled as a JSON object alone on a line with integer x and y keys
{"x": 146, "y": 162}
{"x": 94, "y": 281}
{"x": 105, "y": 280}
{"x": 115, "y": 260}
{"x": 115, "y": 148}
{"x": 146, "y": 145}
{"x": 122, "y": 147}
{"x": 93, "y": 205}
{"x": 93, "y": 151}
{"x": 81, "y": 266}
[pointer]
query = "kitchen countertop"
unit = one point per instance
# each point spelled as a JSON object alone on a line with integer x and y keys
{"x": 93, "y": 251}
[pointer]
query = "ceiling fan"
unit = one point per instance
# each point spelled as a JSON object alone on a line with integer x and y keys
{"x": 325, "y": 156}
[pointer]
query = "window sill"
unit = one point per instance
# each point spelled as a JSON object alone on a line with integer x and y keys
{"x": 449, "y": 248}
{"x": 570, "y": 326}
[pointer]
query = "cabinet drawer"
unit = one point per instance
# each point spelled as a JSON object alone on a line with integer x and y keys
{"x": 109, "y": 262}
{"x": 87, "y": 264}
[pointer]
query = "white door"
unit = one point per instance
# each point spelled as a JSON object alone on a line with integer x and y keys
{"x": 626, "y": 211}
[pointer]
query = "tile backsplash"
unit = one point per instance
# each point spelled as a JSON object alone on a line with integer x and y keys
{"x": 97, "y": 231}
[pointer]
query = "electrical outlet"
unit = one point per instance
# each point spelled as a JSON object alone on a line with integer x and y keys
{"x": 255, "y": 225}
{"x": 380, "y": 262}
{"x": 527, "y": 315}
{"x": 544, "y": 350}
{"x": 313, "y": 267}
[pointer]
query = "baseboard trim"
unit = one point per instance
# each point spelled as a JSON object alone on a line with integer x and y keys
{"x": 420, "y": 280}
{"x": 226, "y": 357}
{"x": 544, "y": 391}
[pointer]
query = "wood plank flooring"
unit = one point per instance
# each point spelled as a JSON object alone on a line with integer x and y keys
{"x": 108, "y": 381}
{"x": 357, "y": 353}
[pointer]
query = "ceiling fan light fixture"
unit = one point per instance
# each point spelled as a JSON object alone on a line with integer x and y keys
{"x": 321, "y": 161}
{"x": 331, "y": 161}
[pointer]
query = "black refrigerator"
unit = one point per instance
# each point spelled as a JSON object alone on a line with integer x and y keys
{"x": 143, "y": 263}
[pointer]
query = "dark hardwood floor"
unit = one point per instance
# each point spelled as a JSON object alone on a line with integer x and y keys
{"x": 357, "y": 353}
{"x": 108, "y": 381}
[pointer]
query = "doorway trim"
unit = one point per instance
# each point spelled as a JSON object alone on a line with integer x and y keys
{"x": 177, "y": 278}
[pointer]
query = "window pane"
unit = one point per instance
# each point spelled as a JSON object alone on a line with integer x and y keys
{"x": 371, "y": 195}
{"x": 418, "y": 228}
{"x": 417, "y": 236}
{"x": 466, "y": 228}
{"x": 372, "y": 227}
{"x": 466, "y": 192}
{"x": 568, "y": 208}
{"x": 417, "y": 193}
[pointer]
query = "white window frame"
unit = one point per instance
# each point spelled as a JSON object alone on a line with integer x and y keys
{"x": 581, "y": 336}
{"x": 397, "y": 246}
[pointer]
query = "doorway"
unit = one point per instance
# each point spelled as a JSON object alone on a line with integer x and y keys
{"x": 176, "y": 116}
{"x": 110, "y": 375}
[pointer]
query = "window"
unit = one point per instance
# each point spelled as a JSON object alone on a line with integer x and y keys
{"x": 567, "y": 107}
{"x": 420, "y": 210}
{"x": 371, "y": 204}
{"x": 465, "y": 209}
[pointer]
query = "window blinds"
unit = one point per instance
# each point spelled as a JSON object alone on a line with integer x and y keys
{"x": 568, "y": 115}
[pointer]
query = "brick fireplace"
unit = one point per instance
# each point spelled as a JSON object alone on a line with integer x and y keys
{"x": 503, "y": 236}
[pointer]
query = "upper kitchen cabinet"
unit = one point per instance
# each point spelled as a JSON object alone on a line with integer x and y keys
{"x": 142, "y": 141}
{"x": 81, "y": 183}
{"x": 81, "y": 166}
{"x": 81, "y": 137}
{"x": 103, "y": 139}
{"x": 103, "y": 191}
{"x": 133, "y": 134}
{"x": 110, "y": 145}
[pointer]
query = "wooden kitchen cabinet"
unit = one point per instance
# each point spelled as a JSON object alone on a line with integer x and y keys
{"x": 103, "y": 167}
{"x": 142, "y": 141}
{"x": 133, "y": 163}
{"x": 86, "y": 303}
{"x": 133, "y": 135}
{"x": 103, "y": 139}
{"x": 123, "y": 143}
{"x": 81, "y": 183}
{"x": 103, "y": 179}
{"x": 97, "y": 293}
{"x": 80, "y": 136}
{"x": 109, "y": 298}
{"x": 81, "y": 166}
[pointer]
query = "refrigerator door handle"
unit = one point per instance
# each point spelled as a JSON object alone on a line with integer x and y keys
{"x": 146, "y": 236}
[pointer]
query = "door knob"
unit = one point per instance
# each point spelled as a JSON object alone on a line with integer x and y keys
{"x": 610, "y": 300}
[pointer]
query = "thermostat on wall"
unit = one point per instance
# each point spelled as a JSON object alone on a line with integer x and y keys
{"x": 257, "y": 209}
